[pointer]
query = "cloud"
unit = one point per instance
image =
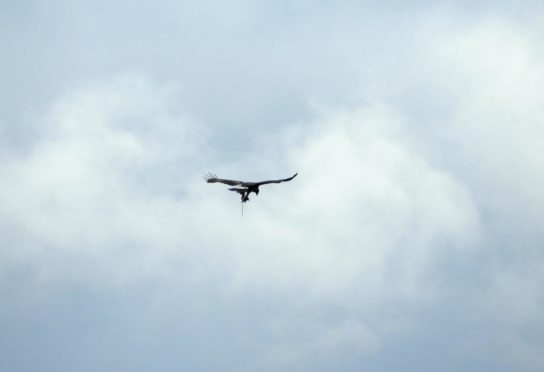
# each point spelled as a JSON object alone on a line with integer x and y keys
{"x": 499, "y": 111}
{"x": 492, "y": 72}
{"x": 116, "y": 185}
{"x": 83, "y": 185}
{"x": 415, "y": 217}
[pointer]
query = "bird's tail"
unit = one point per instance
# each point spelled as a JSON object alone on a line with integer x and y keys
{"x": 239, "y": 190}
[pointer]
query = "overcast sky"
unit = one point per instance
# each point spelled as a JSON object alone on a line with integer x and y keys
{"x": 411, "y": 239}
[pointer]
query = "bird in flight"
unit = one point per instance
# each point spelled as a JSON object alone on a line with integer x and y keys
{"x": 244, "y": 188}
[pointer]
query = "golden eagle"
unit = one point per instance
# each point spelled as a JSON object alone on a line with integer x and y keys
{"x": 244, "y": 188}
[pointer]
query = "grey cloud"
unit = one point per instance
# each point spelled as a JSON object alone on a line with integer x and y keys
{"x": 79, "y": 194}
{"x": 413, "y": 225}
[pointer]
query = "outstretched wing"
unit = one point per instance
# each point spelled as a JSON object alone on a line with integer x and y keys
{"x": 212, "y": 178}
{"x": 275, "y": 181}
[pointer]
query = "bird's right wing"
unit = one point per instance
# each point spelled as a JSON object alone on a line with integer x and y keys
{"x": 276, "y": 181}
{"x": 212, "y": 178}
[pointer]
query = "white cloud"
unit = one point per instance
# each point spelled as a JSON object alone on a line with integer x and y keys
{"x": 494, "y": 72}
{"x": 362, "y": 194}
{"x": 333, "y": 263}
{"x": 85, "y": 185}
{"x": 357, "y": 228}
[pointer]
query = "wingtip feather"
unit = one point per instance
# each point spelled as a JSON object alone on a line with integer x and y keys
{"x": 210, "y": 178}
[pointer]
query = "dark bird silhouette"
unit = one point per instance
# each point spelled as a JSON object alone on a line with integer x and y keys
{"x": 244, "y": 188}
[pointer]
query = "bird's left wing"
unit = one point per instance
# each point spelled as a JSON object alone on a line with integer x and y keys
{"x": 275, "y": 181}
{"x": 212, "y": 178}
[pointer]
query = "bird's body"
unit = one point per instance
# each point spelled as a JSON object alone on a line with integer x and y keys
{"x": 244, "y": 188}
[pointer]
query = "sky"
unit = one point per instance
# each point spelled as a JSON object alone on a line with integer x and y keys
{"x": 410, "y": 240}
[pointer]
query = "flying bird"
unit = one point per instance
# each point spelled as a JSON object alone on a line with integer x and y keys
{"x": 244, "y": 188}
